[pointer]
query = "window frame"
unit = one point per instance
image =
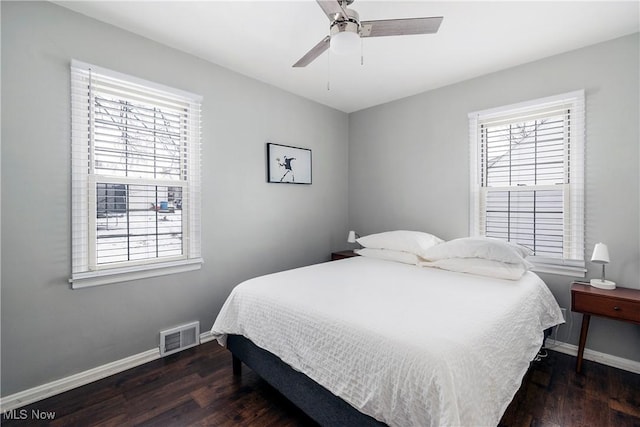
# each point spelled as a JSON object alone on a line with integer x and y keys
{"x": 85, "y": 271}
{"x": 573, "y": 263}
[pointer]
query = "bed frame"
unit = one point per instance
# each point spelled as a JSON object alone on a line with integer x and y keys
{"x": 316, "y": 401}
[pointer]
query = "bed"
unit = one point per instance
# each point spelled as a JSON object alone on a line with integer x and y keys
{"x": 368, "y": 341}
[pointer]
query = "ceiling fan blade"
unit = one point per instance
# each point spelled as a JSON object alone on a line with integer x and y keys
{"x": 332, "y": 8}
{"x": 400, "y": 27}
{"x": 315, "y": 51}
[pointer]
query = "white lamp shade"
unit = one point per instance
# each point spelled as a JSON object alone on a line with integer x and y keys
{"x": 345, "y": 43}
{"x": 600, "y": 254}
{"x": 351, "y": 238}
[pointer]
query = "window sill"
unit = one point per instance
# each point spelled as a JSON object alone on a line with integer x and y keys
{"x": 562, "y": 270}
{"x": 117, "y": 275}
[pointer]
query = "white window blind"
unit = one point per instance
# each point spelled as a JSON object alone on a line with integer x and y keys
{"x": 135, "y": 177}
{"x": 527, "y": 179}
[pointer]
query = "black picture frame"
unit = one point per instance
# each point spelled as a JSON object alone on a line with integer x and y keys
{"x": 288, "y": 165}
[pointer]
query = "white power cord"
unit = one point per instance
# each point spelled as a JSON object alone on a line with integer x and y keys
{"x": 555, "y": 333}
{"x": 543, "y": 351}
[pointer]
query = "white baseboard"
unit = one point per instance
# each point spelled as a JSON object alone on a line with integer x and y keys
{"x": 595, "y": 356}
{"x": 26, "y": 397}
{"x": 206, "y": 337}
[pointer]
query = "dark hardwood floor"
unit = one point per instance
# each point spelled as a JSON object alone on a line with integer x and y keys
{"x": 196, "y": 387}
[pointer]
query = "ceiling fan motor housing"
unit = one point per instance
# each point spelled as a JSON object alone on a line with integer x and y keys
{"x": 344, "y": 26}
{"x": 350, "y": 23}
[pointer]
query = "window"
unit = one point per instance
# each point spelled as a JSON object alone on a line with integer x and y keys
{"x": 527, "y": 179}
{"x": 135, "y": 177}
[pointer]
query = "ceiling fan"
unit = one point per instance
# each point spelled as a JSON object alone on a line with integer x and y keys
{"x": 346, "y": 29}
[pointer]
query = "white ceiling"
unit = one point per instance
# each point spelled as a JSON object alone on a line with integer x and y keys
{"x": 262, "y": 39}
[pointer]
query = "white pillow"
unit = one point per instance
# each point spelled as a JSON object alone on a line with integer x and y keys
{"x": 478, "y": 247}
{"x": 389, "y": 255}
{"x": 480, "y": 267}
{"x": 415, "y": 242}
{"x": 522, "y": 250}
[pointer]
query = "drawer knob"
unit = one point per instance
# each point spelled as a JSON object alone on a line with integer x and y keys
{"x": 616, "y": 308}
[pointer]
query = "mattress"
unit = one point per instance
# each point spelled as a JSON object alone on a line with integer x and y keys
{"x": 407, "y": 345}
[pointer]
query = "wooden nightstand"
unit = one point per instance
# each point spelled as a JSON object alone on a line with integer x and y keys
{"x": 620, "y": 304}
{"x": 342, "y": 255}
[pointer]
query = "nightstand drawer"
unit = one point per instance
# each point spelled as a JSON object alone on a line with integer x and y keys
{"x": 609, "y": 307}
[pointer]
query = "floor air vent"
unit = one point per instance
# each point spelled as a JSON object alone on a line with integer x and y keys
{"x": 179, "y": 338}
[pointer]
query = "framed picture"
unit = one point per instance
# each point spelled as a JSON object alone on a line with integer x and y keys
{"x": 290, "y": 165}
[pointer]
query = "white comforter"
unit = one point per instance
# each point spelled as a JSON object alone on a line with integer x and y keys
{"x": 406, "y": 345}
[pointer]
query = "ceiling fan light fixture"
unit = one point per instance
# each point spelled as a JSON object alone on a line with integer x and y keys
{"x": 345, "y": 43}
{"x": 345, "y": 39}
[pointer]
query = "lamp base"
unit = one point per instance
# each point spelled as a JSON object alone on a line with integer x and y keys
{"x": 603, "y": 284}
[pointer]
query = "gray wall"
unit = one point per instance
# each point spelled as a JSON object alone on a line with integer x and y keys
{"x": 409, "y": 163}
{"x": 249, "y": 227}
{"x": 406, "y": 163}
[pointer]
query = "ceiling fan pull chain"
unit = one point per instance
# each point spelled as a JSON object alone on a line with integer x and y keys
{"x": 361, "y": 52}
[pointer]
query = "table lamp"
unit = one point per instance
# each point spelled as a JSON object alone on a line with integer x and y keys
{"x": 601, "y": 256}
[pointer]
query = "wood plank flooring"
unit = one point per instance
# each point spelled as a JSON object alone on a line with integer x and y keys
{"x": 196, "y": 388}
